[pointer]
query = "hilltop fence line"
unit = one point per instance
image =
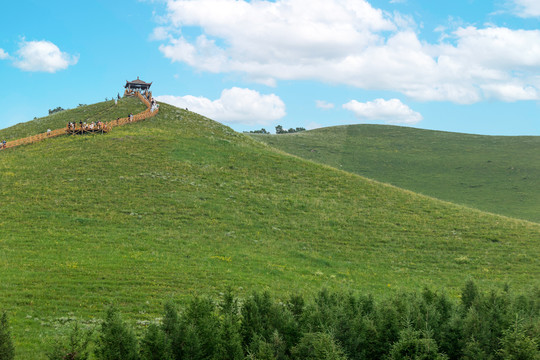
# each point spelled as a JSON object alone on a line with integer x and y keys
{"x": 109, "y": 125}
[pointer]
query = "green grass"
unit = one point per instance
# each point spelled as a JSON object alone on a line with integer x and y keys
{"x": 180, "y": 205}
{"x": 499, "y": 174}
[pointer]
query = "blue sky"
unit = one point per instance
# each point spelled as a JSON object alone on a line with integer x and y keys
{"x": 469, "y": 66}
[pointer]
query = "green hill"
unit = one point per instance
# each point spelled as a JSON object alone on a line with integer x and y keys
{"x": 499, "y": 174}
{"x": 180, "y": 205}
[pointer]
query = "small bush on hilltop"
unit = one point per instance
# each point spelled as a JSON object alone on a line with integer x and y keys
{"x": 55, "y": 110}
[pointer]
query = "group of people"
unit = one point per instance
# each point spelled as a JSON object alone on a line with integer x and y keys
{"x": 155, "y": 105}
{"x": 96, "y": 125}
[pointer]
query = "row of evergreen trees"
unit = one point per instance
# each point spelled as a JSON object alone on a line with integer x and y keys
{"x": 279, "y": 130}
{"x": 333, "y": 326}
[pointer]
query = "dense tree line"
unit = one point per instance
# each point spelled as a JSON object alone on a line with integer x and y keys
{"x": 281, "y": 130}
{"x": 262, "y": 131}
{"x": 334, "y": 326}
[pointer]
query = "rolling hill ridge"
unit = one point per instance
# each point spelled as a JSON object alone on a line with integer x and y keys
{"x": 499, "y": 174}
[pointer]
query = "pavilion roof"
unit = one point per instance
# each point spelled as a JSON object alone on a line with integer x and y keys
{"x": 138, "y": 83}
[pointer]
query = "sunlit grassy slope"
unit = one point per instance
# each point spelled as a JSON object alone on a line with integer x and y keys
{"x": 499, "y": 174}
{"x": 103, "y": 111}
{"x": 180, "y": 205}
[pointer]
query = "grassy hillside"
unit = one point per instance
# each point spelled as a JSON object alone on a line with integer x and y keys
{"x": 499, "y": 174}
{"x": 103, "y": 111}
{"x": 180, "y": 205}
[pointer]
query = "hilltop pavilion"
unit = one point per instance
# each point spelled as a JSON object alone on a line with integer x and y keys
{"x": 138, "y": 86}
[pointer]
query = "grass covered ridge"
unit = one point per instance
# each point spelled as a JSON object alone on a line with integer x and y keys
{"x": 180, "y": 205}
{"x": 499, "y": 174}
{"x": 104, "y": 111}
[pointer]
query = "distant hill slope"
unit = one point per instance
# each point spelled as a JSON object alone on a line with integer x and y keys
{"x": 499, "y": 174}
{"x": 180, "y": 205}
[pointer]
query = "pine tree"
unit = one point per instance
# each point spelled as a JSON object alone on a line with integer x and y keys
{"x": 229, "y": 343}
{"x": 155, "y": 345}
{"x": 318, "y": 346}
{"x": 7, "y": 350}
{"x": 116, "y": 340}
{"x": 74, "y": 348}
{"x": 415, "y": 345}
{"x": 469, "y": 294}
{"x": 516, "y": 345}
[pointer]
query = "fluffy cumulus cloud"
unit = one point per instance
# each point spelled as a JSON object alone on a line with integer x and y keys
{"x": 3, "y": 54}
{"x": 351, "y": 42}
{"x": 42, "y": 56}
{"x": 527, "y": 8}
{"x": 389, "y": 111}
{"x": 236, "y": 105}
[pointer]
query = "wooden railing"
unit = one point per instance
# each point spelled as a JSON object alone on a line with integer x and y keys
{"x": 119, "y": 122}
{"x": 137, "y": 117}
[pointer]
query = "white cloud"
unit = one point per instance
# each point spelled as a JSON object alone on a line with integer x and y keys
{"x": 321, "y": 104}
{"x": 3, "y": 55}
{"x": 350, "y": 42}
{"x": 204, "y": 54}
{"x": 235, "y": 105}
{"x": 321, "y": 28}
{"x": 43, "y": 56}
{"x": 510, "y": 92}
{"x": 527, "y": 8}
{"x": 159, "y": 33}
{"x": 389, "y": 111}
